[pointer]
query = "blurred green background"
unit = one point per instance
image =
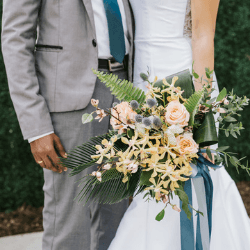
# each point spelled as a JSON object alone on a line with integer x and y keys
{"x": 21, "y": 180}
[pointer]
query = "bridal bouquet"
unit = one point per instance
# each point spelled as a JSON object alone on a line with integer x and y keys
{"x": 157, "y": 139}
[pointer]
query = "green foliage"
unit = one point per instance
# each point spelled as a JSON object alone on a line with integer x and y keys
{"x": 21, "y": 179}
{"x": 206, "y": 134}
{"x": 86, "y": 118}
{"x": 222, "y": 95}
{"x": 111, "y": 189}
{"x": 145, "y": 176}
{"x": 79, "y": 158}
{"x": 192, "y": 104}
{"x": 161, "y": 215}
{"x": 185, "y": 202}
{"x": 232, "y": 68}
{"x": 123, "y": 90}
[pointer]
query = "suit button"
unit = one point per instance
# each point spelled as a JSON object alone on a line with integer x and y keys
{"x": 94, "y": 42}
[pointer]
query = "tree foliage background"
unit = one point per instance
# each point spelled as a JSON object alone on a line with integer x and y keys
{"x": 21, "y": 180}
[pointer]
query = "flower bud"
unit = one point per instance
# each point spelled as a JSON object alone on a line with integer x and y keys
{"x": 157, "y": 122}
{"x": 94, "y": 103}
{"x": 134, "y": 104}
{"x": 221, "y": 110}
{"x": 147, "y": 121}
{"x": 226, "y": 102}
{"x": 144, "y": 77}
{"x": 107, "y": 167}
{"x": 151, "y": 102}
{"x": 138, "y": 118}
{"x": 176, "y": 208}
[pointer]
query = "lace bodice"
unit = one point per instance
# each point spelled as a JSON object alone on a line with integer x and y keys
{"x": 188, "y": 21}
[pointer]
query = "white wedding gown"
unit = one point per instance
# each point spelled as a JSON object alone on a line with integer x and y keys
{"x": 163, "y": 46}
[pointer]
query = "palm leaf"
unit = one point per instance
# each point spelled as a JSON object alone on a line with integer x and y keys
{"x": 80, "y": 159}
{"x": 192, "y": 104}
{"x": 111, "y": 189}
{"x": 122, "y": 89}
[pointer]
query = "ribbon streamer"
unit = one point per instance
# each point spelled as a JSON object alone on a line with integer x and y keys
{"x": 204, "y": 190}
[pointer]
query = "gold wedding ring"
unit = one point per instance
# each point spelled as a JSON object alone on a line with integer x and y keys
{"x": 39, "y": 162}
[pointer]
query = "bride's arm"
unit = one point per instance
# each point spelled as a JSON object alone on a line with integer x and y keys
{"x": 204, "y": 13}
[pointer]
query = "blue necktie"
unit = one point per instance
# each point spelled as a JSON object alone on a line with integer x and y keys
{"x": 116, "y": 32}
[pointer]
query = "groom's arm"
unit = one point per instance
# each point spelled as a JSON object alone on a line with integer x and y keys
{"x": 19, "y": 24}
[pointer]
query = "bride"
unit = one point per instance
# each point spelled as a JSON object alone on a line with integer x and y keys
{"x": 167, "y": 41}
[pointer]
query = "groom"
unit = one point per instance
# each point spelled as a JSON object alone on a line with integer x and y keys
{"x": 49, "y": 49}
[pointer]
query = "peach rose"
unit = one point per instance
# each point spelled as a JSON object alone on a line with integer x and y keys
{"x": 186, "y": 144}
{"x": 176, "y": 113}
{"x": 124, "y": 113}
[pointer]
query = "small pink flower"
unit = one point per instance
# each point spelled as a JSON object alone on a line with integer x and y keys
{"x": 203, "y": 108}
{"x": 176, "y": 208}
{"x": 165, "y": 199}
{"x": 225, "y": 101}
{"x": 107, "y": 167}
{"x": 94, "y": 103}
{"x": 221, "y": 110}
{"x": 100, "y": 114}
{"x": 133, "y": 167}
{"x": 93, "y": 173}
{"x": 98, "y": 175}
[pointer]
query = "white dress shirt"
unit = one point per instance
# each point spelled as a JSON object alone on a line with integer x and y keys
{"x": 101, "y": 25}
{"x": 102, "y": 36}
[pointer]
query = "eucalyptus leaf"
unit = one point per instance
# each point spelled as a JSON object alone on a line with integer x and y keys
{"x": 230, "y": 119}
{"x": 208, "y": 151}
{"x": 226, "y": 161}
{"x": 234, "y": 163}
{"x": 160, "y": 215}
{"x": 223, "y": 149}
{"x": 86, "y": 118}
{"x": 222, "y": 95}
{"x": 196, "y": 76}
{"x": 208, "y": 75}
{"x": 211, "y": 100}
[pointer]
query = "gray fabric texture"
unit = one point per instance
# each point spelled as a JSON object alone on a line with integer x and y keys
{"x": 67, "y": 224}
{"x": 51, "y": 79}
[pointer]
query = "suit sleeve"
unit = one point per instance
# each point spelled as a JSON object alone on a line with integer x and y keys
{"x": 19, "y": 26}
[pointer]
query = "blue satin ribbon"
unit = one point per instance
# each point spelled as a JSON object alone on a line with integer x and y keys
{"x": 187, "y": 231}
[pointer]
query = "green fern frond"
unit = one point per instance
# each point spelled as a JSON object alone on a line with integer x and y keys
{"x": 122, "y": 89}
{"x": 192, "y": 104}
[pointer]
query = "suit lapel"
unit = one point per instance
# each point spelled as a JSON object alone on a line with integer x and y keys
{"x": 128, "y": 19}
{"x": 89, "y": 9}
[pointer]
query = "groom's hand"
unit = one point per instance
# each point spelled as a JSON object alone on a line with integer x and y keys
{"x": 47, "y": 151}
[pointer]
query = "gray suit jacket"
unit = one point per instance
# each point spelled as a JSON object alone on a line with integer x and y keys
{"x": 57, "y": 76}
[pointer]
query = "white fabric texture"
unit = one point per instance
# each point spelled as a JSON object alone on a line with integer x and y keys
{"x": 161, "y": 48}
{"x": 101, "y": 26}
